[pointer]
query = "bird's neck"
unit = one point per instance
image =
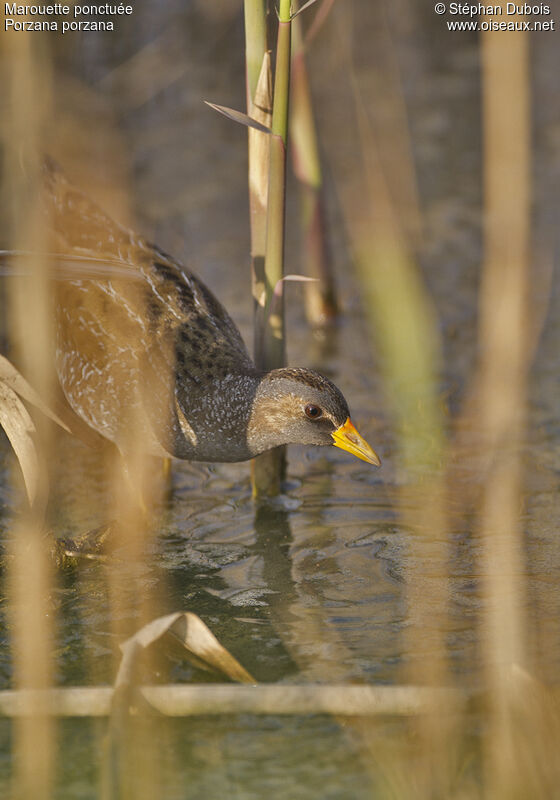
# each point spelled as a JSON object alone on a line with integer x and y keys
{"x": 215, "y": 422}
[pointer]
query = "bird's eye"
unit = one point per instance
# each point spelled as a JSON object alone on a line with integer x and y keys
{"x": 313, "y": 412}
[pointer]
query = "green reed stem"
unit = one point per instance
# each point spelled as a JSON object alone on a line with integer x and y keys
{"x": 321, "y": 303}
{"x": 275, "y": 232}
{"x": 255, "y": 45}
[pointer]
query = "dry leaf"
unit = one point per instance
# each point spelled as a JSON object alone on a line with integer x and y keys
{"x": 202, "y": 647}
{"x": 18, "y": 425}
{"x": 12, "y": 379}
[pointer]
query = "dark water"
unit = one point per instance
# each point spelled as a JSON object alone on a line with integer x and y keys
{"x": 311, "y": 588}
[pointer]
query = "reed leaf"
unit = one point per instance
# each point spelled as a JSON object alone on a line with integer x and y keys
{"x": 304, "y": 6}
{"x": 239, "y": 116}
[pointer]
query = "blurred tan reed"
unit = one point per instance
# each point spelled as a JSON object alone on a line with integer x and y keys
{"x": 26, "y": 89}
{"x": 183, "y": 701}
{"x": 504, "y": 348}
{"x": 26, "y": 128}
{"x": 383, "y": 224}
{"x": 320, "y": 296}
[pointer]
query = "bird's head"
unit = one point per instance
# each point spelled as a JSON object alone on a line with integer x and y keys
{"x": 300, "y": 406}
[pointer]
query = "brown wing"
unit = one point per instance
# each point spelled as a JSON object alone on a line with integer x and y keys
{"x": 107, "y": 328}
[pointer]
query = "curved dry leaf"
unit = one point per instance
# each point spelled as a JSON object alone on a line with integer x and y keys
{"x": 18, "y": 425}
{"x": 196, "y": 637}
{"x": 203, "y": 649}
{"x": 12, "y": 379}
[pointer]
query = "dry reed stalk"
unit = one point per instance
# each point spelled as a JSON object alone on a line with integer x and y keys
{"x": 269, "y": 468}
{"x": 26, "y": 87}
{"x": 259, "y": 150}
{"x": 504, "y": 340}
{"x": 133, "y": 754}
{"x": 265, "y": 470}
{"x": 136, "y": 770}
{"x": 404, "y": 328}
{"x": 181, "y": 700}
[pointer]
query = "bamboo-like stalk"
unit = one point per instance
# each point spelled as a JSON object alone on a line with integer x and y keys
{"x": 269, "y": 469}
{"x": 320, "y": 294}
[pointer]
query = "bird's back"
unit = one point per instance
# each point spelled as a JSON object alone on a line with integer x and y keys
{"x": 133, "y": 337}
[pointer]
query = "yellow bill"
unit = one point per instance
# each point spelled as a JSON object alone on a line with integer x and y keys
{"x": 347, "y": 438}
